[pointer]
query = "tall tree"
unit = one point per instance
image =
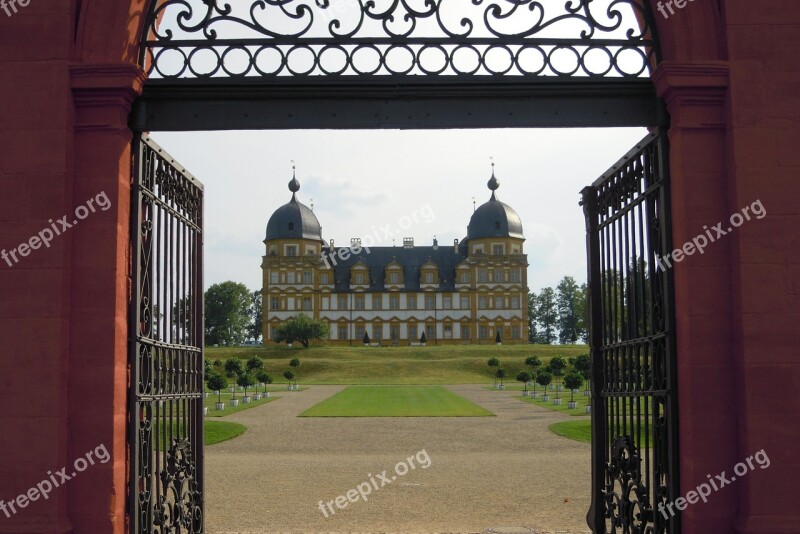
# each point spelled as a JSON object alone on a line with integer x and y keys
{"x": 533, "y": 333}
{"x": 226, "y": 313}
{"x": 256, "y": 313}
{"x": 547, "y": 315}
{"x": 567, "y": 297}
{"x": 582, "y": 310}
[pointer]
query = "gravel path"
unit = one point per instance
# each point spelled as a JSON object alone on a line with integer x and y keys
{"x": 487, "y": 474}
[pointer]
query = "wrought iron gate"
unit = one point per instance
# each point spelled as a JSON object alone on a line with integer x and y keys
{"x": 634, "y": 397}
{"x": 166, "y": 346}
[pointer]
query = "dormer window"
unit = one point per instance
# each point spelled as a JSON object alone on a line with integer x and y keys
{"x": 428, "y": 278}
{"x": 394, "y": 278}
{"x": 359, "y": 278}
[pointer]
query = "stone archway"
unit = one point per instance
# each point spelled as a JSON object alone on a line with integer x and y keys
{"x": 92, "y": 271}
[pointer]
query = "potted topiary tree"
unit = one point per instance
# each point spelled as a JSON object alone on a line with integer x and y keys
{"x": 289, "y": 376}
{"x": 524, "y": 377}
{"x": 557, "y": 366}
{"x": 583, "y": 365}
{"x": 544, "y": 378}
{"x": 216, "y": 382}
{"x": 265, "y": 378}
{"x": 255, "y": 364}
{"x": 366, "y": 339}
{"x": 246, "y": 380}
{"x": 497, "y": 338}
{"x": 501, "y": 374}
{"x": 233, "y": 368}
{"x": 423, "y": 339}
{"x": 573, "y": 381}
{"x": 493, "y": 362}
{"x": 534, "y": 363}
{"x": 295, "y": 364}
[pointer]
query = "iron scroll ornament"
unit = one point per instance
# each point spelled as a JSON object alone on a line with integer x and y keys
{"x": 258, "y": 39}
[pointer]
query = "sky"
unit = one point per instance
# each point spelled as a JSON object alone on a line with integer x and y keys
{"x": 391, "y": 184}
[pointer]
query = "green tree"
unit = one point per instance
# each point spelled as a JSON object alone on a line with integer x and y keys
{"x": 524, "y": 377}
{"x": 501, "y": 374}
{"x": 303, "y": 329}
{"x": 255, "y": 312}
{"x": 246, "y": 380}
{"x": 226, "y": 313}
{"x": 265, "y": 378}
{"x": 295, "y": 364}
{"x": 568, "y": 322}
{"x": 289, "y": 375}
{"x": 582, "y": 311}
{"x": 557, "y": 366}
{"x": 366, "y": 338}
{"x": 233, "y": 367}
{"x": 573, "y": 381}
{"x": 547, "y": 316}
{"x": 217, "y": 382}
{"x": 255, "y": 363}
{"x": 182, "y": 314}
{"x": 583, "y": 366}
{"x": 422, "y": 338}
{"x": 534, "y": 362}
{"x": 543, "y": 379}
{"x": 493, "y": 362}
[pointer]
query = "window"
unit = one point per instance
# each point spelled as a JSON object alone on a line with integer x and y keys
{"x": 377, "y": 332}
{"x": 326, "y": 303}
{"x": 360, "y": 332}
{"x": 394, "y": 332}
{"x": 482, "y": 277}
{"x": 342, "y": 302}
{"x": 291, "y": 250}
{"x": 483, "y": 302}
{"x": 411, "y": 300}
{"x": 273, "y": 277}
{"x": 310, "y": 251}
{"x": 498, "y": 250}
{"x": 514, "y": 303}
{"x": 377, "y": 302}
{"x": 478, "y": 249}
{"x": 428, "y": 278}
{"x": 430, "y": 332}
{"x": 498, "y": 303}
{"x": 342, "y": 331}
{"x": 447, "y": 302}
{"x": 323, "y": 278}
{"x": 306, "y": 277}
{"x": 448, "y": 331}
{"x": 359, "y": 278}
{"x": 307, "y": 303}
{"x": 514, "y": 275}
{"x": 515, "y": 332}
{"x": 290, "y": 277}
{"x": 464, "y": 332}
{"x": 394, "y": 302}
{"x": 483, "y": 332}
{"x": 274, "y": 303}
{"x": 429, "y": 302}
{"x": 359, "y": 302}
{"x": 463, "y": 277}
{"x": 464, "y": 303}
{"x": 394, "y": 278}
{"x": 491, "y": 276}
{"x": 412, "y": 332}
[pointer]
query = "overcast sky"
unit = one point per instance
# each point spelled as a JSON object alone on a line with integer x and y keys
{"x": 362, "y": 181}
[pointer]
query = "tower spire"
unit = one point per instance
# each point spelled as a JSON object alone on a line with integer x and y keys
{"x": 493, "y": 184}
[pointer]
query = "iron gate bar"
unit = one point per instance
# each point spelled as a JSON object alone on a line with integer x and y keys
{"x": 165, "y": 454}
{"x": 432, "y": 104}
{"x": 632, "y": 333}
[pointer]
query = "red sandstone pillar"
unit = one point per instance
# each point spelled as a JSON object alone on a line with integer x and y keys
{"x": 708, "y": 390}
{"x": 99, "y": 293}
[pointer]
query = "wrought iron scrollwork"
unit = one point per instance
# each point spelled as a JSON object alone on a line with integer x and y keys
{"x": 627, "y": 502}
{"x": 294, "y": 38}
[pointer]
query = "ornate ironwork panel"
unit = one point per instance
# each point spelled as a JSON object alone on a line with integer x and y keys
{"x": 634, "y": 396}
{"x": 407, "y": 39}
{"x": 166, "y": 346}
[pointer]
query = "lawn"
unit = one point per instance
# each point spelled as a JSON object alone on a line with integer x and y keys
{"x": 396, "y": 401}
{"x": 211, "y": 400}
{"x": 581, "y": 430}
{"x": 450, "y": 364}
{"x": 216, "y": 431}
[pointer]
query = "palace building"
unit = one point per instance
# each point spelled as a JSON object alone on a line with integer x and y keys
{"x": 462, "y": 293}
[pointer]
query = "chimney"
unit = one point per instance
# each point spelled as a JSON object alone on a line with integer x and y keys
{"x": 355, "y": 242}
{"x": 455, "y": 246}
{"x": 408, "y": 242}
{"x": 435, "y": 243}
